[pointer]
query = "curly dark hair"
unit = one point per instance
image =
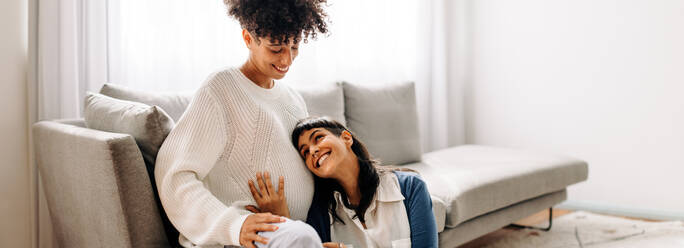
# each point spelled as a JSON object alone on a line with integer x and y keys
{"x": 280, "y": 19}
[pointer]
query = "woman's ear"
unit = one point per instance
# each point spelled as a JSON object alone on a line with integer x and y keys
{"x": 346, "y": 136}
{"x": 247, "y": 38}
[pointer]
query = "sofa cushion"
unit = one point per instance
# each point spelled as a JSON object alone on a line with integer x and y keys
{"x": 149, "y": 125}
{"x": 473, "y": 180}
{"x": 174, "y": 104}
{"x": 384, "y": 117}
{"x": 324, "y": 100}
{"x": 439, "y": 209}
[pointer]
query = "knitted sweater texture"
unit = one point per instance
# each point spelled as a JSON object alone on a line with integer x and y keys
{"x": 231, "y": 130}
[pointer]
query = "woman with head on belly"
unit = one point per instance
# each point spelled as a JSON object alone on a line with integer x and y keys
{"x": 239, "y": 122}
{"x": 357, "y": 202}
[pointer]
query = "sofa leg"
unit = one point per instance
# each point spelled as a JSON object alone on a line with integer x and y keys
{"x": 534, "y": 227}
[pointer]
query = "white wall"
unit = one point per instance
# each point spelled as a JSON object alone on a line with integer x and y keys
{"x": 14, "y": 176}
{"x": 601, "y": 80}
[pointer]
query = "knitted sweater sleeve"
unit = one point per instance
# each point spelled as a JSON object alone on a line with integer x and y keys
{"x": 187, "y": 155}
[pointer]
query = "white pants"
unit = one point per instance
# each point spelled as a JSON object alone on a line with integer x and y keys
{"x": 291, "y": 233}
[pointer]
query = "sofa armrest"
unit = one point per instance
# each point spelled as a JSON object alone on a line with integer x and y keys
{"x": 72, "y": 122}
{"x": 97, "y": 188}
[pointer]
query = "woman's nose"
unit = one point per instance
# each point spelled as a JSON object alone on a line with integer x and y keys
{"x": 314, "y": 151}
{"x": 286, "y": 59}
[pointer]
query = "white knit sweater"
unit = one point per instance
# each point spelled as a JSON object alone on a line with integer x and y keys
{"x": 232, "y": 129}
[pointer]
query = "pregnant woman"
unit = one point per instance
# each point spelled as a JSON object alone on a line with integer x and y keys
{"x": 368, "y": 205}
{"x": 238, "y": 123}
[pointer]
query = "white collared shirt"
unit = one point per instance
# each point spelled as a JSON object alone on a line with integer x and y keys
{"x": 387, "y": 222}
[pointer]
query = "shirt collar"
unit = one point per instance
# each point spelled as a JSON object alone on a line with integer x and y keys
{"x": 388, "y": 188}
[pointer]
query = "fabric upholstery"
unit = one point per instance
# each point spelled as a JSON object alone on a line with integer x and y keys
{"x": 73, "y": 122}
{"x": 324, "y": 100}
{"x": 174, "y": 104}
{"x": 384, "y": 117}
{"x": 439, "y": 209}
{"x": 483, "y": 224}
{"x": 96, "y": 186}
{"x": 473, "y": 180}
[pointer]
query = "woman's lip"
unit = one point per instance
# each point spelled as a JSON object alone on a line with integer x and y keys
{"x": 279, "y": 68}
{"x": 318, "y": 161}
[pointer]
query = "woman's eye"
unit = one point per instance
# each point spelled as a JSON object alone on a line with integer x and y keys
{"x": 319, "y": 137}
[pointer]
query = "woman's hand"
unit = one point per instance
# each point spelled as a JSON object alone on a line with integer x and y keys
{"x": 258, "y": 223}
{"x": 267, "y": 198}
{"x": 334, "y": 245}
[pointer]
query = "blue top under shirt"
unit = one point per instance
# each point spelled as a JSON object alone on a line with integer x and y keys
{"x": 418, "y": 207}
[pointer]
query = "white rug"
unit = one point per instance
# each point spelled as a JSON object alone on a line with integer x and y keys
{"x": 582, "y": 229}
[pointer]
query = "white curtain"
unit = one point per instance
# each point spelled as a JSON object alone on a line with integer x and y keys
{"x": 167, "y": 45}
{"x": 72, "y": 55}
{"x": 174, "y": 46}
{"x": 442, "y": 71}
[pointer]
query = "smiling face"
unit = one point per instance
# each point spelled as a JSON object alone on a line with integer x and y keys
{"x": 325, "y": 153}
{"x": 271, "y": 60}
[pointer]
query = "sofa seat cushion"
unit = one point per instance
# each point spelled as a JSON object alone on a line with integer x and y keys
{"x": 473, "y": 180}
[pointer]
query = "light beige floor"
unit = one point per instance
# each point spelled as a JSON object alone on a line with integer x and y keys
{"x": 539, "y": 219}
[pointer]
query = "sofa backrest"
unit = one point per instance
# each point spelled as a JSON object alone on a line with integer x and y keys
{"x": 383, "y": 116}
{"x": 173, "y": 104}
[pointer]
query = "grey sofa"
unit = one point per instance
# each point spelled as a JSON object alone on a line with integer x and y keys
{"x": 99, "y": 191}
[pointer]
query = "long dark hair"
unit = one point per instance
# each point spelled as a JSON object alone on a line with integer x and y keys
{"x": 369, "y": 177}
